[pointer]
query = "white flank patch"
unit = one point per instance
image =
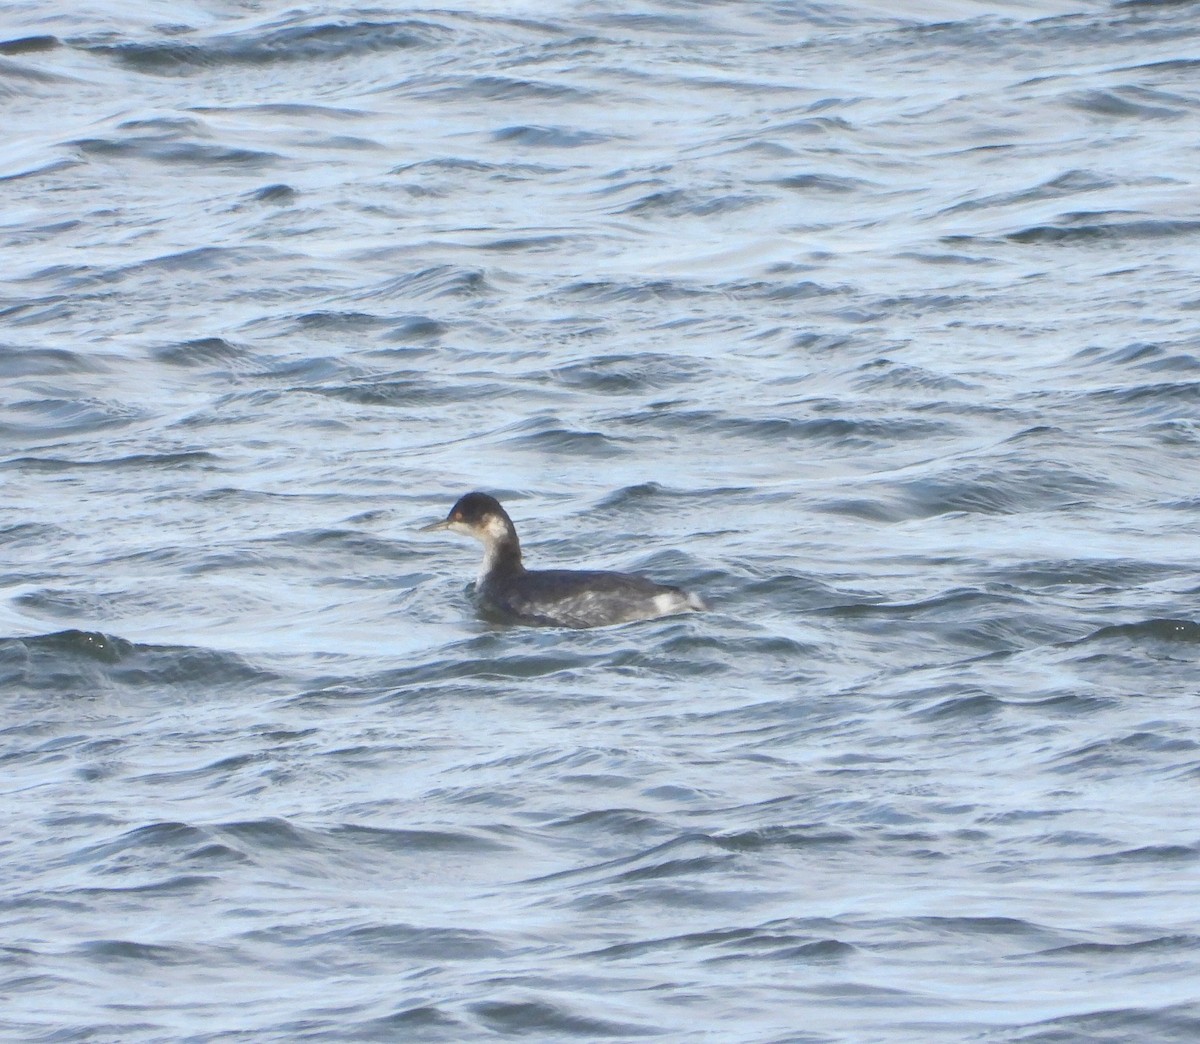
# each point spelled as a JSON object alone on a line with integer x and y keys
{"x": 668, "y": 603}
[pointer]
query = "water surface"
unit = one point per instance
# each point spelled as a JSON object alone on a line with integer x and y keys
{"x": 879, "y": 330}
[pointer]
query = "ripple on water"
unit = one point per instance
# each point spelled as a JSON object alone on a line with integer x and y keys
{"x": 202, "y": 351}
{"x": 294, "y": 43}
{"x": 52, "y": 666}
{"x": 521, "y": 1015}
{"x": 56, "y": 415}
{"x": 44, "y": 362}
{"x": 1148, "y": 633}
{"x": 1174, "y": 1022}
{"x": 1091, "y": 229}
{"x": 623, "y": 374}
{"x": 176, "y": 149}
{"x": 1010, "y": 485}
{"x": 549, "y": 137}
{"x": 1171, "y": 357}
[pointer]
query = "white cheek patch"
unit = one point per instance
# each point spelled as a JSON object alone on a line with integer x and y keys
{"x": 495, "y": 528}
{"x": 491, "y": 533}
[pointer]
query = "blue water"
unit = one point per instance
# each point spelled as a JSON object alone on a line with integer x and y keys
{"x": 878, "y": 330}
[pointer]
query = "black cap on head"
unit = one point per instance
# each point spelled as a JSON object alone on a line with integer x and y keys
{"x": 477, "y": 515}
{"x": 473, "y": 508}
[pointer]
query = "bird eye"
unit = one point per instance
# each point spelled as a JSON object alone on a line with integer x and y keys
{"x": 458, "y": 516}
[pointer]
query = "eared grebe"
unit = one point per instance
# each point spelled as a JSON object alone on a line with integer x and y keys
{"x": 555, "y": 597}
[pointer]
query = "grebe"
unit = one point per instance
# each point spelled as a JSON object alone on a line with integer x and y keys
{"x": 554, "y": 597}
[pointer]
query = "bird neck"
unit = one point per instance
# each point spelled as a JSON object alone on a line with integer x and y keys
{"x": 501, "y": 555}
